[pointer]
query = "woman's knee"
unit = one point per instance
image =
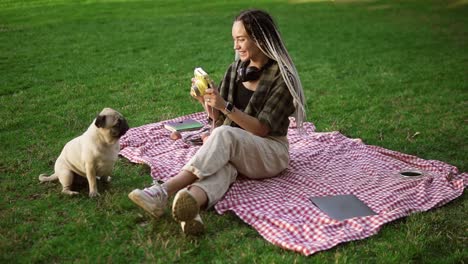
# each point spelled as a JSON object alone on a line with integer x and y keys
{"x": 225, "y": 132}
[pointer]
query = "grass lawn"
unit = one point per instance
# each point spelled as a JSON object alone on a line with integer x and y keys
{"x": 394, "y": 73}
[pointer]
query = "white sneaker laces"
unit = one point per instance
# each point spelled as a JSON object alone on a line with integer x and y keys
{"x": 156, "y": 191}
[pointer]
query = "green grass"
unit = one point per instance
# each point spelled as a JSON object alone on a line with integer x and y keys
{"x": 393, "y": 73}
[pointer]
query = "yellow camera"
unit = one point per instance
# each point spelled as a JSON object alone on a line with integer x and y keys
{"x": 201, "y": 83}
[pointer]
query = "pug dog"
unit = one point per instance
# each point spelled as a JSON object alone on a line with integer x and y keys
{"x": 91, "y": 155}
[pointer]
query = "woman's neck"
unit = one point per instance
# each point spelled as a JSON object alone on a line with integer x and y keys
{"x": 259, "y": 62}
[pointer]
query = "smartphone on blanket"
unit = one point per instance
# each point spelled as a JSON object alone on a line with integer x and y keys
{"x": 195, "y": 140}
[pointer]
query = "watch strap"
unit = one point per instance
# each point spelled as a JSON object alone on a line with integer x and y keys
{"x": 229, "y": 108}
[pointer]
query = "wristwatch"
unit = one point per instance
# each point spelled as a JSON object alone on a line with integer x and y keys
{"x": 229, "y": 108}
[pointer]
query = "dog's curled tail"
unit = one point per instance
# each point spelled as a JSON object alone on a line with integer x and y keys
{"x": 46, "y": 178}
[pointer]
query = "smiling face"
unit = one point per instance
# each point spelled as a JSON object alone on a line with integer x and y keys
{"x": 244, "y": 44}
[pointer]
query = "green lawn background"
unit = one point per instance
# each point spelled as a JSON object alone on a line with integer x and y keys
{"x": 393, "y": 73}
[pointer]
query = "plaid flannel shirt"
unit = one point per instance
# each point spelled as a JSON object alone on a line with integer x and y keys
{"x": 271, "y": 103}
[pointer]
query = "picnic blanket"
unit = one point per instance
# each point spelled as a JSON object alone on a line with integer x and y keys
{"x": 321, "y": 164}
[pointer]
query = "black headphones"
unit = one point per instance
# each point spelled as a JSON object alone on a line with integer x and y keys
{"x": 245, "y": 73}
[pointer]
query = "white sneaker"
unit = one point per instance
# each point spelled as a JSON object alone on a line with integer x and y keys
{"x": 184, "y": 206}
{"x": 185, "y": 210}
{"x": 153, "y": 199}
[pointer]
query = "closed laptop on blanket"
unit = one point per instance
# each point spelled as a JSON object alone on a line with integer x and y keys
{"x": 341, "y": 207}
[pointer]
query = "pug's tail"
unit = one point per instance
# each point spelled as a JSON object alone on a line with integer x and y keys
{"x": 46, "y": 178}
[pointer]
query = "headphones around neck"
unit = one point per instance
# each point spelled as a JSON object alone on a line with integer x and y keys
{"x": 252, "y": 73}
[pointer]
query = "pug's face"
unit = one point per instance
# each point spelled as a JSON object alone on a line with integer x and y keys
{"x": 111, "y": 124}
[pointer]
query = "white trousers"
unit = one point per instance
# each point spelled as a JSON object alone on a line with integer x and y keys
{"x": 230, "y": 151}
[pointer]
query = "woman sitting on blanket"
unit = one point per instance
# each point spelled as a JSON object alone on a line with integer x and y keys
{"x": 259, "y": 92}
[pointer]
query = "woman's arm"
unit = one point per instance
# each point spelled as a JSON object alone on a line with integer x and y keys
{"x": 248, "y": 122}
{"x": 213, "y": 99}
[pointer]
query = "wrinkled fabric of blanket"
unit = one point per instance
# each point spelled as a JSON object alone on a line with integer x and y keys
{"x": 321, "y": 164}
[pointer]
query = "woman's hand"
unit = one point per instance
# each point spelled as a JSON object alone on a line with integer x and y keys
{"x": 213, "y": 99}
{"x": 206, "y": 100}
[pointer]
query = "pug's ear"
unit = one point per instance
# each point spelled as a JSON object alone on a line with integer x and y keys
{"x": 100, "y": 121}
{"x": 123, "y": 126}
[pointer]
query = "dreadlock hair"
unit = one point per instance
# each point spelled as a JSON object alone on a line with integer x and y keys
{"x": 264, "y": 32}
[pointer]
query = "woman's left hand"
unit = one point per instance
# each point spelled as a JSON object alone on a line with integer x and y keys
{"x": 213, "y": 99}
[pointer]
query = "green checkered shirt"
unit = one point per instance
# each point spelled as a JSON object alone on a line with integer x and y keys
{"x": 271, "y": 103}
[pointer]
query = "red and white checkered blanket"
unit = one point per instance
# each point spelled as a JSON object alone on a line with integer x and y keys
{"x": 321, "y": 164}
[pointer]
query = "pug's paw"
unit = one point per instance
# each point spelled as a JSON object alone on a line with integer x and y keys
{"x": 94, "y": 194}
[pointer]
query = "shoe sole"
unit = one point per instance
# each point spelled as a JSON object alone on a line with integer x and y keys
{"x": 142, "y": 204}
{"x": 185, "y": 207}
{"x": 193, "y": 227}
